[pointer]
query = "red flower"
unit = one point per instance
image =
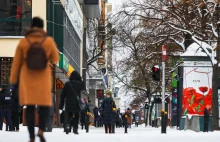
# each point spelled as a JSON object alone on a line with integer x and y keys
{"x": 203, "y": 89}
{"x": 198, "y": 98}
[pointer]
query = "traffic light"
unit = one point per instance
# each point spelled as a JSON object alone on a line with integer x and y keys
{"x": 146, "y": 106}
{"x": 156, "y": 73}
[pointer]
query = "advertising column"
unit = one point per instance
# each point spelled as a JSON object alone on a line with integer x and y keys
{"x": 197, "y": 90}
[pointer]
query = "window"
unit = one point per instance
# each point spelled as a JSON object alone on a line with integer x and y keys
{"x": 5, "y": 66}
{"x": 15, "y": 17}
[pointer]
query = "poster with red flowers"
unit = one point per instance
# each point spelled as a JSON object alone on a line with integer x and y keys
{"x": 197, "y": 90}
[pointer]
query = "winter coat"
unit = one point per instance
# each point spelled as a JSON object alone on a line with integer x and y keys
{"x": 96, "y": 113}
{"x": 114, "y": 116}
{"x": 69, "y": 96}
{"x": 107, "y": 106}
{"x": 127, "y": 118}
{"x": 5, "y": 99}
{"x": 84, "y": 116}
{"x": 34, "y": 85}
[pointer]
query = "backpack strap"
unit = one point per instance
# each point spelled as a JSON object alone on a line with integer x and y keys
{"x": 40, "y": 42}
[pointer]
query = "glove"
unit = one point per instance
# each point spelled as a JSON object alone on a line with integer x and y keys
{"x": 12, "y": 87}
{"x": 60, "y": 111}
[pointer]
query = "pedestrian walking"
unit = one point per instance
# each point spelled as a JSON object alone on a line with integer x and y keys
{"x": 5, "y": 108}
{"x": 96, "y": 114}
{"x": 32, "y": 66}
{"x": 84, "y": 116}
{"x": 107, "y": 107}
{"x": 114, "y": 119}
{"x": 49, "y": 124}
{"x": 126, "y": 120}
{"x": 15, "y": 109}
{"x": 136, "y": 120}
{"x": 71, "y": 96}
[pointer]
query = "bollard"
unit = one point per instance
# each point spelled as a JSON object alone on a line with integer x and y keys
{"x": 163, "y": 123}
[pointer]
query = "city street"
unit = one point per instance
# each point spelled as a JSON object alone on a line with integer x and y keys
{"x": 140, "y": 134}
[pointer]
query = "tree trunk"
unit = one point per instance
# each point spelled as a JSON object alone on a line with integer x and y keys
{"x": 215, "y": 111}
{"x": 146, "y": 117}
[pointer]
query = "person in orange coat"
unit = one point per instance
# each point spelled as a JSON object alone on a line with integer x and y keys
{"x": 34, "y": 85}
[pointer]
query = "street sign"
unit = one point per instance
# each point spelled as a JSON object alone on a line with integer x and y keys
{"x": 164, "y": 53}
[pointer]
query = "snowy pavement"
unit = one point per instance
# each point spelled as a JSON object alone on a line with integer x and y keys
{"x": 140, "y": 134}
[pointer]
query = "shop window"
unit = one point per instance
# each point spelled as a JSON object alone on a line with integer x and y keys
{"x": 5, "y": 67}
{"x": 15, "y": 17}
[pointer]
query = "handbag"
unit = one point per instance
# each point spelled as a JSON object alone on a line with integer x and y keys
{"x": 82, "y": 104}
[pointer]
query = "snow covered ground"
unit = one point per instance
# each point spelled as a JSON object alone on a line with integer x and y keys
{"x": 140, "y": 134}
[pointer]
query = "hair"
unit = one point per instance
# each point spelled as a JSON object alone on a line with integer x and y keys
{"x": 37, "y": 22}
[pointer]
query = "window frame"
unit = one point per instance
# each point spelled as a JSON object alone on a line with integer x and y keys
{"x": 25, "y": 19}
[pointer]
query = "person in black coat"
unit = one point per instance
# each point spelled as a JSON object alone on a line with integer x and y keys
{"x": 70, "y": 95}
{"x": 107, "y": 111}
{"x": 15, "y": 109}
{"x": 83, "y": 115}
{"x": 5, "y": 108}
{"x": 96, "y": 114}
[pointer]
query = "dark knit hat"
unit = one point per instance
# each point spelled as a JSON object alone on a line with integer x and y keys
{"x": 37, "y": 22}
{"x": 108, "y": 92}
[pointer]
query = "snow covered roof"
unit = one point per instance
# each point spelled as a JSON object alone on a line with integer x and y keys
{"x": 195, "y": 50}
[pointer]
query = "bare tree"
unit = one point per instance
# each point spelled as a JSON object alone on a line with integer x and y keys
{"x": 141, "y": 49}
{"x": 190, "y": 21}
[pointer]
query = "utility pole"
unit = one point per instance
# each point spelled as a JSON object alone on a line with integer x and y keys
{"x": 163, "y": 121}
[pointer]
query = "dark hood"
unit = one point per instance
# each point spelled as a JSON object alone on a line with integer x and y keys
{"x": 75, "y": 76}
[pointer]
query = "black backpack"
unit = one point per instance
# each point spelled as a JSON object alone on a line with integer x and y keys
{"x": 36, "y": 56}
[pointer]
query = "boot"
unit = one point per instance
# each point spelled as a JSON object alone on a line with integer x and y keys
{"x": 75, "y": 131}
{"x": 67, "y": 129}
{"x": 41, "y": 136}
{"x": 106, "y": 129}
{"x": 32, "y": 140}
{"x": 110, "y": 128}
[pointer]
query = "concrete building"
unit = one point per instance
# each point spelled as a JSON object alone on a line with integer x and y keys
{"x": 63, "y": 20}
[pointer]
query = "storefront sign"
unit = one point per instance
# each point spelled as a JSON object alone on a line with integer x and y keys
{"x": 74, "y": 13}
{"x": 64, "y": 62}
{"x": 59, "y": 84}
{"x": 70, "y": 70}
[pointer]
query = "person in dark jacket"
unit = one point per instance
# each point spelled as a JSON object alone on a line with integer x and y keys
{"x": 51, "y": 115}
{"x": 70, "y": 95}
{"x": 96, "y": 114}
{"x": 107, "y": 108}
{"x": 84, "y": 117}
{"x": 15, "y": 109}
{"x": 5, "y": 108}
{"x": 126, "y": 119}
{"x": 114, "y": 119}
